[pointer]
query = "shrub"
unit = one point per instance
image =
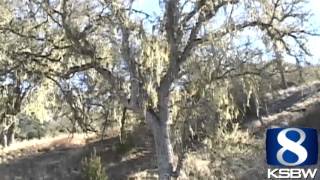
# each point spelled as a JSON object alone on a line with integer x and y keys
{"x": 92, "y": 168}
{"x": 231, "y": 154}
{"x": 125, "y": 146}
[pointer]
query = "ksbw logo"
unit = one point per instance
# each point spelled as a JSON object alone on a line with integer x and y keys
{"x": 291, "y": 147}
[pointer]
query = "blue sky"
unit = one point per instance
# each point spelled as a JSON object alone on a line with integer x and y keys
{"x": 152, "y": 6}
{"x": 314, "y": 42}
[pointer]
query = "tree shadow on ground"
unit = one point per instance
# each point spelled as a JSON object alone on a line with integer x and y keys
{"x": 65, "y": 163}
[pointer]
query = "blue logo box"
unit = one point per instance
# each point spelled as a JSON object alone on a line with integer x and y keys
{"x": 292, "y": 146}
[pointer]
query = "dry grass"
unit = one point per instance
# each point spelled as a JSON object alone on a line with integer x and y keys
{"x": 63, "y": 140}
{"x": 230, "y": 155}
{"x": 48, "y": 143}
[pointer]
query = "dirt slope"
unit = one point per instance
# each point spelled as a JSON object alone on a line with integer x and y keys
{"x": 60, "y": 158}
{"x": 296, "y": 106}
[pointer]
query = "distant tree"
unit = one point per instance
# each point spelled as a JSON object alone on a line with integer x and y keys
{"x": 13, "y": 91}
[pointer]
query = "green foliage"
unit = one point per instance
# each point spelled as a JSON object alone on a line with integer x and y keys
{"x": 40, "y": 101}
{"x": 92, "y": 168}
{"x": 154, "y": 58}
{"x": 30, "y": 127}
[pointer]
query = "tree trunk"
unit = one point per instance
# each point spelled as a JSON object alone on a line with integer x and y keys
{"x": 284, "y": 84}
{"x": 11, "y": 138}
{"x": 280, "y": 67}
{"x": 10, "y": 133}
{"x": 161, "y": 133}
{"x": 122, "y": 125}
{"x": 4, "y": 139}
{"x": 300, "y": 69}
{"x": 11, "y": 130}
